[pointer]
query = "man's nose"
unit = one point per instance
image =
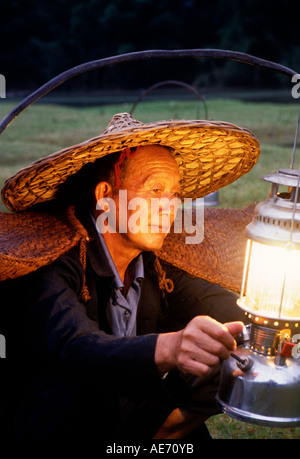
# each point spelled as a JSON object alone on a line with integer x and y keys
{"x": 165, "y": 204}
{"x": 169, "y": 206}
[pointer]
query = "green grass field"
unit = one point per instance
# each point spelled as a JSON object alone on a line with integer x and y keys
{"x": 44, "y": 128}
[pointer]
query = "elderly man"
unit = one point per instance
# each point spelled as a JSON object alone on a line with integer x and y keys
{"x": 122, "y": 346}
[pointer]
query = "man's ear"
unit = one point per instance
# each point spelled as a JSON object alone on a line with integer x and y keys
{"x": 103, "y": 191}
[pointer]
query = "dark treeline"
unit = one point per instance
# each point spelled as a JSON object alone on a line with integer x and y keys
{"x": 40, "y": 39}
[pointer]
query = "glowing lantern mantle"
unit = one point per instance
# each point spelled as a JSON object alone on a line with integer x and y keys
{"x": 260, "y": 383}
{"x": 273, "y": 281}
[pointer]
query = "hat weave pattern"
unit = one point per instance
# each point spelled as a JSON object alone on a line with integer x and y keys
{"x": 210, "y": 155}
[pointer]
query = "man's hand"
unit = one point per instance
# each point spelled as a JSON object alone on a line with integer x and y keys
{"x": 198, "y": 348}
{"x": 179, "y": 423}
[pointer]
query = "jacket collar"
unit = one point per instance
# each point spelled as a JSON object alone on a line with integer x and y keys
{"x": 96, "y": 254}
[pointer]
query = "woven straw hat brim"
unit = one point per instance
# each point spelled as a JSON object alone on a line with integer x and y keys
{"x": 210, "y": 155}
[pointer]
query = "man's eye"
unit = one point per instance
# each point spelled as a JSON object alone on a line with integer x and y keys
{"x": 176, "y": 194}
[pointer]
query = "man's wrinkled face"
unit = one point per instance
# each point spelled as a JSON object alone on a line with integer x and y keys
{"x": 152, "y": 184}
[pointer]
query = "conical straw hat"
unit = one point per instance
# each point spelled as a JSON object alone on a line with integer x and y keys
{"x": 210, "y": 155}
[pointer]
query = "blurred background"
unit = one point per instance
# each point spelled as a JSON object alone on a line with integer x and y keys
{"x": 40, "y": 39}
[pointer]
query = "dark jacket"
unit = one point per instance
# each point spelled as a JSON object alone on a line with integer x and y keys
{"x": 58, "y": 330}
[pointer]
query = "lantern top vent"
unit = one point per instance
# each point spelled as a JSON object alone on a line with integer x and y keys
{"x": 277, "y": 220}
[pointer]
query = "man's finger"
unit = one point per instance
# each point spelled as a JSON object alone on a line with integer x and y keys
{"x": 234, "y": 328}
{"x": 220, "y": 332}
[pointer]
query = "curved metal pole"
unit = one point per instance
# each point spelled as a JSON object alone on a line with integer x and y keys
{"x": 135, "y": 56}
{"x": 176, "y": 83}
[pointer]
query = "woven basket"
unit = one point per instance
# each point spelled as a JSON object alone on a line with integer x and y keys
{"x": 30, "y": 240}
{"x": 219, "y": 258}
